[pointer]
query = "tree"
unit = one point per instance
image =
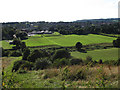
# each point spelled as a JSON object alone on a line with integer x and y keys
{"x": 26, "y": 53}
{"x": 23, "y": 46}
{"x": 116, "y": 43}
{"x": 21, "y": 35}
{"x": 61, "y": 54}
{"x": 78, "y": 46}
{"x": 42, "y": 63}
{"x": 17, "y": 42}
{"x": 35, "y": 55}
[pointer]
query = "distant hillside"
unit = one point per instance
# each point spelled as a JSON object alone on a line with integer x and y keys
{"x": 99, "y": 20}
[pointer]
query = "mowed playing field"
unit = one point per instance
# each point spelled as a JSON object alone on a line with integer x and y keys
{"x": 104, "y": 54}
{"x": 62, "y": 40}
{"x": 67, "y": 40}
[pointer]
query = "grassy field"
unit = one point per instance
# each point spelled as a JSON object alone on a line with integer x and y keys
{"x": 62, "y": 40}
{"x": 67, "y": 40}
{"x": 104, "y": 54}
{"x": 5, "y": 44}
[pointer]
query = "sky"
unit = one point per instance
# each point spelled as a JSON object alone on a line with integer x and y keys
{"x": 56, "y": 10}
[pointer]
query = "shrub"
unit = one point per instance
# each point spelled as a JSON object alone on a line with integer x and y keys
{"x": 37, "y": 54}
{"x": 27, "y": 65}
{"x": 42, "y": 63}
{"x": 23, "y": 46}
{"x": 20, "y": 71}
{"x": 61, "y": 54}
{"x": 34, "y": 55}
{"x": 26, "y": 53}
{"x": 80, "y": 74}
{"x": 45, "y": 54}
{"x": 116, "y": 43}
{"x": 78, "y": 46}
{"x": 16, "y": 53}
{"x": 22, "y": 64}
{"x": 76, "y": 61}
{"x": 6, "y": 53}
{"x": 100, "y": 61}
{"x": 83, "y": 50}
{"x": 1, "y": 49}
{"x": 17, "y": 65}
{"x": 111, "y": 62}
{"x": 61, "y": 62}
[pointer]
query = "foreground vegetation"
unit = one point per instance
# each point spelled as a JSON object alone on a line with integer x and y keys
{"x": 75, "y": 76}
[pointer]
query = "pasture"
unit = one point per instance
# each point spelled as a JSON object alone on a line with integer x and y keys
{"x": 67, "y": 40}
{"x": 5, "y": 44}
{"x": 104, "y": 54}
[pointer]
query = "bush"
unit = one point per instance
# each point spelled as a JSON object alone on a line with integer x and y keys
{"x": 6, "y": 53}
{"x": 61, "y": 62}
{"x": 111, "y": 62}
{"x": 45, "y": 54}
{"x": 17, "y": 65}
{"x": 83, "y": 51}
{"x": 78, "y": 46}
{"x": 61, "y": 54}
{"x": 34, "y": 55}
{"x": 42, "y": 63}
{"x": 76, "y": 61}
{"x": 37, "y": 54}
{"x": 27, "y": 65}
{"x": 23, "y": 46}
{"x": 1, "y": 49}
{"x": 26, "y": 53}
{"x": 16, "y": 53}
{"x": 80, "y": 74}
{"x": 22, "y": 64}
{"x": 100, "y": 61}
{"x": 20, "y": 71}
{"x": 116, "y": 43}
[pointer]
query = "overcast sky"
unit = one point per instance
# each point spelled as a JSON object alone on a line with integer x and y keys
{"x": 57, "y": 10}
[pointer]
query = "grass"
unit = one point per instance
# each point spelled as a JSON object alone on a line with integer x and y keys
{"x": 5, "y": 44}
{"x": 104, "y": 54}
{"x": 67, "y": 40}
{"x": 62, "y": 40}
{"x": 35, "y": 79}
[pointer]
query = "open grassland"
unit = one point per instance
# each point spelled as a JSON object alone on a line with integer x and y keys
{"x": 62, "y": 40}
{"x": 67, "y": 40}
{"x": 5, "y": 44}
{"x": 104, "y": 54}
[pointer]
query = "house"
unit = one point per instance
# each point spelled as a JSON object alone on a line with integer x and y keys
{"x": 39, "y": 32}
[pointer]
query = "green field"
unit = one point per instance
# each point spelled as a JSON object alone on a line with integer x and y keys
{"x": 5, "y": 44}
{"x": 62, "y": 40}
{"x": 67, "y": 40}
{"x": 104, "y": 54}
